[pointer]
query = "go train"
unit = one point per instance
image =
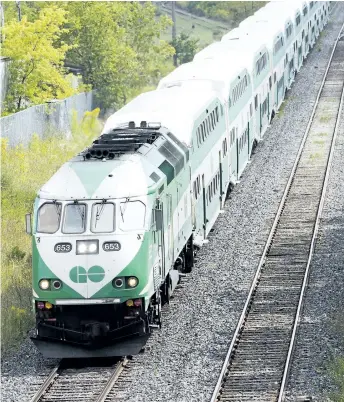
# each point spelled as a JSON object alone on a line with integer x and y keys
{"x": 116, "y": 227}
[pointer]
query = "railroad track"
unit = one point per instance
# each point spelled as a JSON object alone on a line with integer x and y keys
{"x": 257, "y": 363}
{"x": 80, "y": 382}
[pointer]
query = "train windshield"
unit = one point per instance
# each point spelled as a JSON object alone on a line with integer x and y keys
{"x": 132, "y": 215}
{"x": 49, "y": 217}
{"x": 103, "y": 217}
{"x": 74, "y": 218}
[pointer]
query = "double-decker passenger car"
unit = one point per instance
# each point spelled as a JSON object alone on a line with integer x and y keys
{"x": 115, "y": 228}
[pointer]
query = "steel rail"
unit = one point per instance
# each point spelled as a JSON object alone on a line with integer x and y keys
{"x": 314, "y": 237}
{"x": 111, "y": 382}
{"x": 47, "y": 383}
{"x": 52, "y": 377}
{"x": 255, "y": 280}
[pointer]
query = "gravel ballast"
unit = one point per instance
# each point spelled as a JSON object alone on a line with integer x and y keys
{"x": 320, "y": 338}
{"x": 183, "y": 360}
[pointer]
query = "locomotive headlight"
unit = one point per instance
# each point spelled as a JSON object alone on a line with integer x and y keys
{"x": 132, "y": 281}
{"x": 92, "y": 248}
{"x": 87, "y": 247}
{"x": 44, "y": 284}
{"x": 82, "y": 248}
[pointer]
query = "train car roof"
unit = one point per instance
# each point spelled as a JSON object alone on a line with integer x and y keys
{"x": 247, "y": 21}
{"x": 273, "y": 15}
{"x": 272, "y": 19}
{"x": 241, "y": 52}
{"x": 79, "y": 179}
{"x": 234, "y": 33}
{"x": 257, "y": 31}
{"x": 220, "y": 74}
{"x": 243, "y": 46}
{"x": 176, "y": 108}
{"x": 291, "y": 9}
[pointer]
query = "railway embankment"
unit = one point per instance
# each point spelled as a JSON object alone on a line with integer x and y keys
{"x": 183, "y": 360}
{"x": 319, "y": 348}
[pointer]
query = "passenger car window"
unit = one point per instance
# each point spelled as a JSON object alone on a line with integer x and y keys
{"x": 103, "y": 217}
{"x": 74, "y": 218}
{"x": 132, "y": 215}
{"x": 49, "y": 215}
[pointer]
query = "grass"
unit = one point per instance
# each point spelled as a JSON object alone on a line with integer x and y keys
{"x": 282, "y": 107}
{"x": 206, "y": 31}
{"x": 23, "y": 171}
{"x": 324, "y": 119}
{"x": 337, "y": 371}
{"x": 317, "y": 155}
{"x": 281, "y": 110}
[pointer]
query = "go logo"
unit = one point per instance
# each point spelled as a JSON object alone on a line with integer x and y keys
{"x": 81, "y": 275}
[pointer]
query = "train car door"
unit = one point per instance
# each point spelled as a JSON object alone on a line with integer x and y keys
{"x": 160, "y": 236}
{"x": 299, "y": 56}
{"x": 169, "y": 229}
{"x": 237, "y": 156}
{"x": 221, "y": 177}
{"x": 233, "y": 154}
{"x": 204, "y": 208}
{"x": 178, "y": 211}
{"x": 248, "y": 140}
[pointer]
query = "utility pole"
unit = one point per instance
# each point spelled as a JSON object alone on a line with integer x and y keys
{"x": 174, "y": 30}
{"x": 19, "y": 10}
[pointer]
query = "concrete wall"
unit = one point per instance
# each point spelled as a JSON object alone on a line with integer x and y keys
{"x": 52, "y": 117}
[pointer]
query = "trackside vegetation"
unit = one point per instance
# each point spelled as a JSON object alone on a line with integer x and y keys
{"x": 116, "y": 47}
{"x": 224, "y": 11}
{"x": 24, "y": 171}
{"x": 338, "y": 375}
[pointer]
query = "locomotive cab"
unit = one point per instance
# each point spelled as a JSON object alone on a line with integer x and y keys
{"x": 92, "y": 258}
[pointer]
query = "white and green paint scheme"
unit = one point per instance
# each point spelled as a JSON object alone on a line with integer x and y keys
{"x": 116, "y": 226}
{"x": 254, "y": 57}
{"x": 127, "y": 213}
{"x": 233, "y": 85}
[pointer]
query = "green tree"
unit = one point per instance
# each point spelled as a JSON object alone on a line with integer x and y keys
{"x": 185, "y": 47}
{"x": 117, "y": 45}
{"x": 36, "y": 67}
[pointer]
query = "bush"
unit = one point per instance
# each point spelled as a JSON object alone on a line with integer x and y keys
{"x": 24, "y": 171}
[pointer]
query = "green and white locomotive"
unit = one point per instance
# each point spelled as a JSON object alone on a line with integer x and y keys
{"x": 115, "y": 228}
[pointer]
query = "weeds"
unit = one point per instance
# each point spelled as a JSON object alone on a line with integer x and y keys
{"x": 284, "y": 104}
{"x": 337, "y": 373}
{"x": 317, "y": 155}
{"x": 282, "y": 107}
{"x": 23, "y": 171}
{"x": 324, "y": 119}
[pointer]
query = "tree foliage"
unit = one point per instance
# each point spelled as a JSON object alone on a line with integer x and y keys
{"x": 36, "y": 68}
{"x": 225, "y": 11}
{"x": 117, "y": 45}
{"x": 185, "y": 47}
